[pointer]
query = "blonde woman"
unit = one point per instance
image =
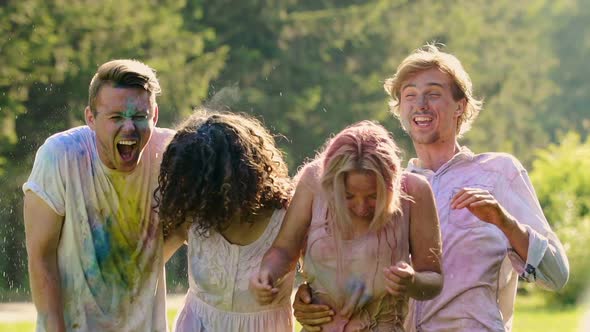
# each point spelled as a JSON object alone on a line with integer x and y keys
{"x": 369, "y": 234}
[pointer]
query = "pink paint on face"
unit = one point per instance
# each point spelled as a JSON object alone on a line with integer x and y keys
{"x": 361, "y": 194}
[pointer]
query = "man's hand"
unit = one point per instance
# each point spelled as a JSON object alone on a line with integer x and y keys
{"x": 310, "y": 316}
{"x": 398, "y": 278}
{"x": 482, "y": 204}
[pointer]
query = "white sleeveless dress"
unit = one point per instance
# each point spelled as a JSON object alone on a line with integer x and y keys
{"x": 218, "y": 298}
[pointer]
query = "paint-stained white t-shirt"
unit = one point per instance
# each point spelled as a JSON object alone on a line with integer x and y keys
{"x": 110, "y": 250}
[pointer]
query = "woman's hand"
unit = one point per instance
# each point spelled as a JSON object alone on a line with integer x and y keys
{"x": 262, "y": 287}
{"x": 399, "y": 278}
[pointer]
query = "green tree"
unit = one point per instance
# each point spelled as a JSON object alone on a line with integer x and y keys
{"x": 563, "y": 188}
{"x": 310, "y": 68}
{"x": 568, "y": 109}
{"x": 49, "y": 52}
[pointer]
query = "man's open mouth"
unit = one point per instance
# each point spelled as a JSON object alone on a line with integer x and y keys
{"x": 422, "y": 121}
{"x": 126, "y": 149}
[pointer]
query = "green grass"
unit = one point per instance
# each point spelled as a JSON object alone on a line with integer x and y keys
{"x": 532, "y": 315}
{"x": 17, "y": 327}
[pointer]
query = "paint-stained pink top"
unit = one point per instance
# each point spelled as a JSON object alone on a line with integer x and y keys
{"x": 363, "y": 261}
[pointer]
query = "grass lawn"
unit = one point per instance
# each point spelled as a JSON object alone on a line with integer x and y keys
{"x": 532, "y": 315}
{"x": 17, "y": 327}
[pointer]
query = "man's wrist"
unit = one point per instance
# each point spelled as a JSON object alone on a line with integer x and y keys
{"x": 506, "y": 223}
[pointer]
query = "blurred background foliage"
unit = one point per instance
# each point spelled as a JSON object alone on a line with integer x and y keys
{"x": 307, "y": 68}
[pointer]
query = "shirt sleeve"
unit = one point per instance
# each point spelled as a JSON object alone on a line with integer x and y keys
{"x": 46, "y": 179}
{"x": 546, "y": 263}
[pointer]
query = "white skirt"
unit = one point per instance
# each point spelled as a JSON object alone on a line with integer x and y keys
{"x": 198, "y": 316}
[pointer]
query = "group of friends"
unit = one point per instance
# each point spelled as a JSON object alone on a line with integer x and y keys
{"x": 436, "y": 246}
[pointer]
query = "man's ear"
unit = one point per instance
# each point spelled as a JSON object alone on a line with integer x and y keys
{"x": 89, "y": 117}
{"x": 156, "y": 112}
{"x": 461, "y": 106}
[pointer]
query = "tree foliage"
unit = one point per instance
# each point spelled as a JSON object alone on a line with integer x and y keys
{"x": 563, "y": 188}
{"x": 307, "y": 68}
{"x": 49, "y": 52}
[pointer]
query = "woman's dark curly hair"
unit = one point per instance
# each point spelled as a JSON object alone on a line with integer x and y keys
{"x": 217, "y": 165}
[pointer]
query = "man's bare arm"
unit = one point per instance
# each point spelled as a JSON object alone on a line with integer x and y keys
{"x": 42, "y": 230}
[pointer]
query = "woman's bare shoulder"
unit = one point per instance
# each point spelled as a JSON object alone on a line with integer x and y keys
{"x": 416, "y": 184}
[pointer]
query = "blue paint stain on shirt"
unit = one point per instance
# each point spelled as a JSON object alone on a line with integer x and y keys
{"x": 102, "y": 241}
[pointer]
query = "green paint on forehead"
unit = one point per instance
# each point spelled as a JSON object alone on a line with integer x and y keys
{"x": 132, "y": 109}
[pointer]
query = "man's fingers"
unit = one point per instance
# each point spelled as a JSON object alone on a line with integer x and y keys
{"x": 314, "y": 321}
{"x": 485, "y": 198}
{"x": 311, "y": 328}
{"x": 463, "y": 200}
{"x": 310, "y": 316}
{"x": 459, "y": 199}
{"x": 458, "y": 196}
{"x": 310, "y": 308}
{"x": 313, "y": 315}
{"x": 481, "y": 203}
{"x": 303, "y": 294}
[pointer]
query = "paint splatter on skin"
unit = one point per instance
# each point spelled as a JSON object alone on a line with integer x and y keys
{"x": 134, "y": 114}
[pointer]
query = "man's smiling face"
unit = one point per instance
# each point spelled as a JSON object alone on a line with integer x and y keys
{"x": 123, "y": 120}
{"x": 428, "y": 111}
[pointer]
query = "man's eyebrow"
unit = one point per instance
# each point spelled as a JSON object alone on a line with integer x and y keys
{"x": 436, "y": 84}
{"x": 412, "y": 85}
{"x": 408, "y": 85}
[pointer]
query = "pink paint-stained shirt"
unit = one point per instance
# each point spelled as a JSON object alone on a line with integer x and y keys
{"x": 480, "y": 268}
{"x": 363, "y": 260}
{"x": 110, "y": 249}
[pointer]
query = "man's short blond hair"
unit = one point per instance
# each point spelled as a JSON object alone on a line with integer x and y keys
{"x": 124, "y": 73}
{"x": 429, "y": 57}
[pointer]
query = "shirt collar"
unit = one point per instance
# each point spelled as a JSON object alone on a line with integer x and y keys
{"x": 463, "y": 154}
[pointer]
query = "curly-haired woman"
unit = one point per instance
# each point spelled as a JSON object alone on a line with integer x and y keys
{"x": 223, "y": 186}
{"x": 369, "y": 233}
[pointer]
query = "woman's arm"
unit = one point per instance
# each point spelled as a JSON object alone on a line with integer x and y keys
{"x": 174, "y": 240}
{"x": 425, "y": 240}
{"x": 282, "y": 256}
{"x": 423, "y": 279}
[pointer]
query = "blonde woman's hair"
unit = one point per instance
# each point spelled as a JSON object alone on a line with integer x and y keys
{"x": 365, "y": 147}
